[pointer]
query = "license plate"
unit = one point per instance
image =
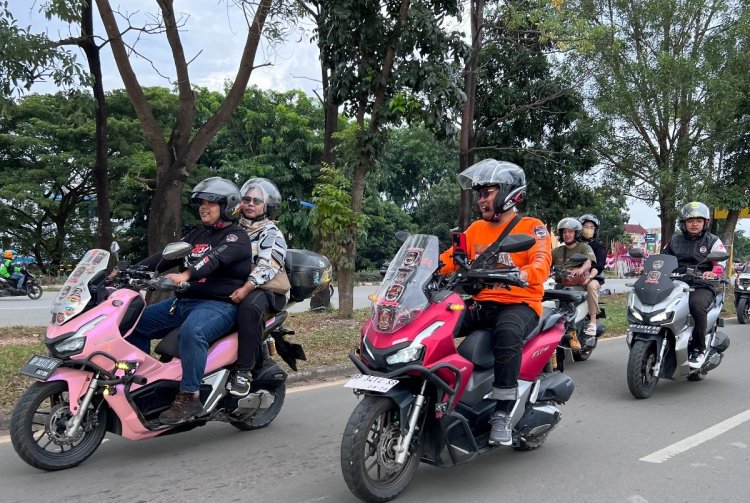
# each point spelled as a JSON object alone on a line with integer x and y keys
{"x": 371, "y": 383}
{"x": 40, "y": 367}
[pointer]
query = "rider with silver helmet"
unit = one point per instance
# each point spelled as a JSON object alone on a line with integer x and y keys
{"x": 595, "y": 279}
{"x": 568, "y": 232}
{"x": 267, "y": 286}
{"x": 510, "y": 313}
{"x": 202, "y": 309}
{"x": 691, "y": 248}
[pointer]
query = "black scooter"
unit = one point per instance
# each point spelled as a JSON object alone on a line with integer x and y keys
{"x": 31, "y": 287}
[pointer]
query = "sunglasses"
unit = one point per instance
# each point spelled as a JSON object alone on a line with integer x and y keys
{"x": 485, "y": 193}
{"x": 255, "y": 200}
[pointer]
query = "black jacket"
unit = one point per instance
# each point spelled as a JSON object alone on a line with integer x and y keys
{"x": 601, "y": 257}
{"x": 219, "y": 263}
{"x": 693, "y": 253}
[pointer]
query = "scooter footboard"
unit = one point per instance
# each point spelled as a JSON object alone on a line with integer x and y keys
{"x": 555, "y": 387}
{"x": 448, "y": 441}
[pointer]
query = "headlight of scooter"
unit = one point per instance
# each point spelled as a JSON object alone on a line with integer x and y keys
{"x": 662, "y": 317}
{"x": 634, "y": 315}
{"x": 74, "y": 344}
{"x": 405, "y": 355}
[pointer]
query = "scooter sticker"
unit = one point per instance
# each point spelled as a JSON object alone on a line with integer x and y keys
{"x": 385, "y": 319}
{"x": 412, "y": 257}
{"x": 394, "y": 292}
{"x": 653, "y": 277}
{"x": 402, "y": 275}
{"x": 658, "y": 264}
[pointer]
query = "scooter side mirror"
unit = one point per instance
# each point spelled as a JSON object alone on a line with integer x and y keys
{"x": 516, "y": 243}
{"x": 635, "y": 253}
{"x": 176, "y": 250}
{"x": 717, "y": 256}
{"x": 578, "y": 258}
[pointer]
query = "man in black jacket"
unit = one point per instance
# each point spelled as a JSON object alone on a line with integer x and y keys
{"x": 218, "y": 264}
{"x": 692, "y": 248}
{"x": 596, "y": 277}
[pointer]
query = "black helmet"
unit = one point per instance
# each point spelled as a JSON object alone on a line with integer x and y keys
{"x": 694, "y": 210}
{"x": 222, "y": 191}
{"x": 588, "y": 217}
{"x": 509, "y": 177}
{"x": 568, "y": 223}
{"x": 270, "y": 194}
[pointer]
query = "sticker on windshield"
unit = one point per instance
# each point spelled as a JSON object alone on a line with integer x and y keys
{"x": 385, "y": 319}
{"x": 412, "y": 257}
{"x": 658, "y": 264}
{"x": 394, "y": 292}
{"x": 653, "y": 277}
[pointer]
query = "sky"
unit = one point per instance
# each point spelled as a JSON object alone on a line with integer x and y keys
{"x": 214, "y": 41}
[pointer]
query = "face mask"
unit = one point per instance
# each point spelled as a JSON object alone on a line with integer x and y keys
{"x": 587, "y": 233}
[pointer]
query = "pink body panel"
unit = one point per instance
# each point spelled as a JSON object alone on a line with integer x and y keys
{"x": 537, "y": 352}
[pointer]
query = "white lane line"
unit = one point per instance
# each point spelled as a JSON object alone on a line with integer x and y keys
{"x": 310, "y": 387}
{"x": 683, "y": 445}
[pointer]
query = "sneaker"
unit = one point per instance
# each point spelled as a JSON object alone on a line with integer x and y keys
{"x": 573, "y": 342}
{"x": 185, "y": 406}
{"x": 239, "y": 383}
{"x": 696, "y": 359}
{"x": 590, "y": 329}
{"x": 501, "y": 433}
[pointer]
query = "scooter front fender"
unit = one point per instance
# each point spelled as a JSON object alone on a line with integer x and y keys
{"x": 78, "y": 383}
{"x": 402, "y": 397}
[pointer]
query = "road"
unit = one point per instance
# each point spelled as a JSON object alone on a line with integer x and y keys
{"x": 595, "y": 455}
{"x": 22, "y": 311}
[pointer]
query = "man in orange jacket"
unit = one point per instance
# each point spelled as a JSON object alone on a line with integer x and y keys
{"x": 510, "y": 313}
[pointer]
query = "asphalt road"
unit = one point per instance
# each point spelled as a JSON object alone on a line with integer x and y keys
{"x": 609, "y": 447}
{"x": 22, "y": 311}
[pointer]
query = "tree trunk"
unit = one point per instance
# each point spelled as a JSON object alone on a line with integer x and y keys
{"x": 467, "y": 142}
{"x": 103, "y": 211}
{"x": 727, "y": 236}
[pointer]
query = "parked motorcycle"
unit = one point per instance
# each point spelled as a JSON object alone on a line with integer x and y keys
{"x": 423, "y": 399}
{"x": 660, "y": 325}
{"x": 575, "y": 308}
{"x": 742, "y": 297}
{"x": 31, "y": 286}
{"x": 94, "y": 380}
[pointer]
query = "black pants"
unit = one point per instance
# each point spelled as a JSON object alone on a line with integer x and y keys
{"x": 699, "y": 301}
{"x": 251, "y": 320}
{"x": 509, "y": 324}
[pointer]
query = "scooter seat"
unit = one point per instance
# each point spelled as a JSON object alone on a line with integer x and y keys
{"x": 170, "y": 344}
{"x": 572, "y": 296}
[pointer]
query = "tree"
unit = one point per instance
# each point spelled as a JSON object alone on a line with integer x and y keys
{"x": 177, "y": 154}
{"x": 392, "y": 64}
{"x": 656, "y": 66}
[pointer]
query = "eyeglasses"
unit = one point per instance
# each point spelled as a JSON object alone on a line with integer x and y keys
{"x": 255, "y": 200}
{"x": 485, "y": 193}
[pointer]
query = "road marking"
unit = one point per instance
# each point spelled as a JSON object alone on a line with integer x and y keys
{"x": 310, "y": 387}
{"x": 24, "y": 308}
{"x": 4, "y": 440}
{"x": 697, "y": 439}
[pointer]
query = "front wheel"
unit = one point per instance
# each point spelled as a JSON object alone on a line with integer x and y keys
{"x": 368, "y": 451}
{"x": 34, "y": 291}
{"x": 641, "y": 365}
{"x": 38, "y": 424}
{"x": 743, "y": 311}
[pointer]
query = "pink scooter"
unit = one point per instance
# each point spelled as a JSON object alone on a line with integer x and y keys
{"x": 95, "y": 381}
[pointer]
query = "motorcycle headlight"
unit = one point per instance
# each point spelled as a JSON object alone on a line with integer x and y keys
{"x": 632, "y": 312}
{"x": 662, "y": 317}
{"x": 405, "y": 355}
{"x": 73, "y": 344}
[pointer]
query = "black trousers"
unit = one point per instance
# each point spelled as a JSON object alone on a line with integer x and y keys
{"x": 509, "y": 324}
{"x": 699, "y": 301}
{"x": 251, "y": 320}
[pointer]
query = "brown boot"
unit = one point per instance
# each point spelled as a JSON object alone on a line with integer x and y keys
{"x": 574, "y": 344}
{"x": 185, "y": 406}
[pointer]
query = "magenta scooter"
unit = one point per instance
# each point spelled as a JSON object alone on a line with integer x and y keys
{"x": 94, "y": 381}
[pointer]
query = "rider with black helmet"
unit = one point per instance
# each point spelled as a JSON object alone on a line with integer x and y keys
{"x": 267, "y": 286}
{"x": 510, "y": 313}
{"x": 589, "y": 235}
{"x": 691, "y": 248}
{"x": 218, "y": 264}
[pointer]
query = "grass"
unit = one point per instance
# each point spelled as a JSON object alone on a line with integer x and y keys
{"x": 326, "y": 339}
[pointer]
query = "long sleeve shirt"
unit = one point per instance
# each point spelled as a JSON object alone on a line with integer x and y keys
{"x": 536, "y": 261}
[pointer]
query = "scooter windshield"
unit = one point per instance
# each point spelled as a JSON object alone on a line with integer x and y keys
{"x": 75, "y": 293}
{"x": 401, "y": 297}
{"x": 654, "y": 285}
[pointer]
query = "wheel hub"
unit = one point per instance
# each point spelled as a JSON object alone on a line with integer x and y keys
{"x": 58, "y": 423}
{"x": 387, "y": 444}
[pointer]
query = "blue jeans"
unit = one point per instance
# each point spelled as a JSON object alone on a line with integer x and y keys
{"x": 19, "y": 279}
{"x": 201, "y": 322}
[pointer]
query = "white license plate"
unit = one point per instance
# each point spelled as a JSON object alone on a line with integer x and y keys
{"x": 371, "y": 383}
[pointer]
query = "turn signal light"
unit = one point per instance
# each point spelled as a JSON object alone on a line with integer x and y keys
{"x": 456, "y": 307}
{"x": 373, "y": 298}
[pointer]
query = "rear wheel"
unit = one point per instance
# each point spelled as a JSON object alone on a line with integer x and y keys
{"x": 38, "y": 424}
{"x": 264, "y": 419}
{"x": 34, "y": 291}
{"x": 743, "y": 311}
{"x": 368, "y": 451}
{"x": 641, "y": 365}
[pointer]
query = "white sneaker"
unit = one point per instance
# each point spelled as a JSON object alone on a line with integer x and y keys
{"x": 695, "y": 361}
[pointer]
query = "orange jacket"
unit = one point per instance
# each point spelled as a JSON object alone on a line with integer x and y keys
{"x": 536, "y": 261}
